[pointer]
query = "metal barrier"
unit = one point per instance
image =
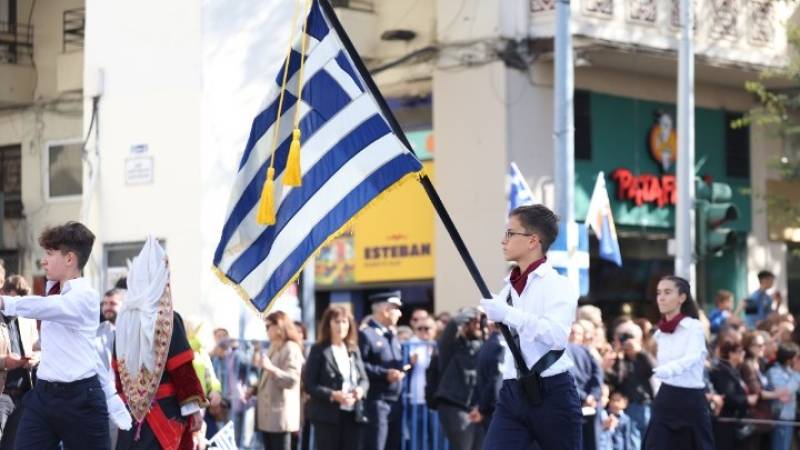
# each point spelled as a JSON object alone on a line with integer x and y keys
{"x": 421, "y": 426}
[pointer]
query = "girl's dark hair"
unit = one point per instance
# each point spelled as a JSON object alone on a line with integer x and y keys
{"x": 727, "y": 346}
{"x": 689, "y": 307}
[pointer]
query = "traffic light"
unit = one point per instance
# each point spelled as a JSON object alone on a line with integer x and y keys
{"x": 713, "y": 207}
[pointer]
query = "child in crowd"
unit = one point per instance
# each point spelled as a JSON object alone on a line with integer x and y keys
{"x": 614, "y": 428}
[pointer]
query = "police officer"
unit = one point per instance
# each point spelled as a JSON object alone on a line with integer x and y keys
{"x": 383, "y": 361}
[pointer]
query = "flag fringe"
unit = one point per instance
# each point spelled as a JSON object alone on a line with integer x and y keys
{"x": 246, "y": 297}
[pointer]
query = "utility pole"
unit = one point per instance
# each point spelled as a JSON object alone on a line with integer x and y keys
{"x": 564, "y": 121}
{"x": 684, "y": 210}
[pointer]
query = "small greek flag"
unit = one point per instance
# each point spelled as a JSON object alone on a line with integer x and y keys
{"x": 225, "y": 439}
{"x": 300, "y": 183}
{"x": 519, "y": 193}
{"x": 600, "y": 219}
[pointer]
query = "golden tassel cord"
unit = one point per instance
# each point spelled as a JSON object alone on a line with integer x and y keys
{"x": 292, "y": 175}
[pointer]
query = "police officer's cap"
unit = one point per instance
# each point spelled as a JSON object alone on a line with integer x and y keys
{"x": 392, "y": 297}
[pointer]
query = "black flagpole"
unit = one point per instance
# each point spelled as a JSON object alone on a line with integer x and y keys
{"x": 444, "y": 216}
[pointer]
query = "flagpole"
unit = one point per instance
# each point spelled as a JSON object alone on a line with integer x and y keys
{"x": 430, "y": 190}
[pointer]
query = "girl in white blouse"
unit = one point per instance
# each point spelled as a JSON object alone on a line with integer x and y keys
{"x": 680, "y": 417}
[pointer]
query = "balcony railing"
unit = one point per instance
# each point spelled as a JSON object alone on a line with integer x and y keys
{"x": 16, "y": 43}
{"x": 74, "y": 26}
{"x": 748, "y": 31}
{"x": 358, "y": 5}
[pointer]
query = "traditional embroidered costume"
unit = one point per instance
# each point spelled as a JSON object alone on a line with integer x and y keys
{"x": 153, "y": 360}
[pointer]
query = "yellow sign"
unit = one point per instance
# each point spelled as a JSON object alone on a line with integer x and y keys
{"x": 394, "y": 238}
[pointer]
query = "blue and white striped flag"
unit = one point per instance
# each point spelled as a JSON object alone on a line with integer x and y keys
{"x": 350, "y": 156}
{"x": 601, "y": 220}
{"x": 519, "y": 193}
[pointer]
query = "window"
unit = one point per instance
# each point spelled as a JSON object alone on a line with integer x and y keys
{"x": 116, "y": 257}
{"x": 64, "y": 178}
{"x": 11, "y": 180}
{"x": 9, "y": 259}
{"x": 361, "y": 5}
{"x": 737, "y": 148}
{"x": 583, "y": 125}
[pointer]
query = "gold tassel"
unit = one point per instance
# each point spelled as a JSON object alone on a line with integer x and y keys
{"x": 292, "y": 175}
{"x": 266, "y": 207}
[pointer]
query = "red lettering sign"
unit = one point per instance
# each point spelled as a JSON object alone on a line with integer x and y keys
{"x": 645, "y": 188}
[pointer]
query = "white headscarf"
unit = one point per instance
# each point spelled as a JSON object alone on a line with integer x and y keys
{"x": 148, "y": 276}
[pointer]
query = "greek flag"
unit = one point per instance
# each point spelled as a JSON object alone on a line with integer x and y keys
{"x": 600, "y": 219}
{"x": 351, "y": 154}
{"x": 224, "y": 439}
{"x": 519, "y": 193}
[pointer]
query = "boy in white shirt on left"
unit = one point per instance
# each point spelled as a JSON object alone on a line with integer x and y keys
{"x": 74, "y": 396}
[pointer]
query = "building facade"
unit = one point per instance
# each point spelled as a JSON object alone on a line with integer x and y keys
{"x": 137, "y": 130}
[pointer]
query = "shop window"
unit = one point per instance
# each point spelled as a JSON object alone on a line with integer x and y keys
{"x": 583, "y": 125}
{"x": 11, "y": 184}
{"x": 64, "y": 166}
{"x": 737, "y": 148}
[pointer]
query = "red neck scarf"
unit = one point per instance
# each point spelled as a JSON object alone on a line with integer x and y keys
{"x": 669, "y": 326}
{"x": 519, "y": 279}
{"x": 55, "y": 289}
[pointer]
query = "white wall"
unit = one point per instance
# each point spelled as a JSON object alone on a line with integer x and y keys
{"x": 150, "y": 55}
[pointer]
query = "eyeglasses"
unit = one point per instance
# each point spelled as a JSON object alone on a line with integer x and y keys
{"x": 509, "y": 234}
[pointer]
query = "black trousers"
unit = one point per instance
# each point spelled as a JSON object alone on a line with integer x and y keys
{"x": 276, "y": 441}
{"x": 74, "y": 413}
{"x": 346, "y": 434}
{"x": 680, "y": 418}
{"x": 554, "y": 424}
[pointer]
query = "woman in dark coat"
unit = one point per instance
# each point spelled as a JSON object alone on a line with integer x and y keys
{"x": 335, "y": 379}
{"x": 728, "y": 382}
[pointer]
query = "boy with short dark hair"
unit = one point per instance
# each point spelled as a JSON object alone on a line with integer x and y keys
{"x": 760, "y": 303}
{"x": 73, "y": 397}
{"x": 538, "y": 402}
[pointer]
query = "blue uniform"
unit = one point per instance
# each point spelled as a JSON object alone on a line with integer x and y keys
{"x": 380, "y": 350}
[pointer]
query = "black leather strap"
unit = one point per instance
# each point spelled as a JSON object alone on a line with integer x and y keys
{"x": 541, "y": 365}
{"x": 546, "y": 361}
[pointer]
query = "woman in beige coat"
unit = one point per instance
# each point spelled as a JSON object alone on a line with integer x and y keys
{"x": 278, "y": 402}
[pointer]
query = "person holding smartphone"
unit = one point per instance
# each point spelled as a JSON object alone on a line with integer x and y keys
{"x": 458, "y": 348}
